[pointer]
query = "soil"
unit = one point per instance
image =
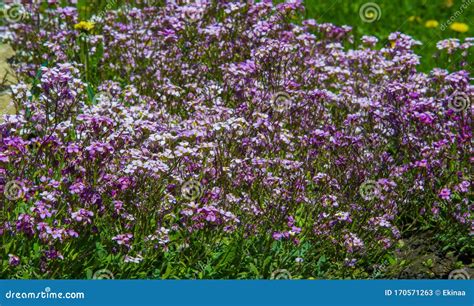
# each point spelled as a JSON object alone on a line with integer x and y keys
{"x": 421, "y": 257}
{"x": 7, "y": 77}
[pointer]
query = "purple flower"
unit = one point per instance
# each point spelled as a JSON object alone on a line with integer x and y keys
{"x": 463, "y": 186}
{"x": 77, "y": 188}
{"x": 82, "y": 215}
{"x": 280, "y": 122}
{"x": 277, "y": 236}
{"x": 445, "y": 194}
{"x": 13, "y": 260}
{"x": 4, "y": 158}
{"x": 350, "y": 262}
{"x": 123, "y": 239}
{"x": 353, "y": 243}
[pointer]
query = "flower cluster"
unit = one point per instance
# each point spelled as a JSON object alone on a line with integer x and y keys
{"x": 114, "y": 124}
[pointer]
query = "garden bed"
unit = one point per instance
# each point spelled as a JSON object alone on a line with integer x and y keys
{"x": 231, "y": 140}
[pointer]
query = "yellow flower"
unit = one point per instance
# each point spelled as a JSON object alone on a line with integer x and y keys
{"x": 431, "y": 23}
{"x": 84, "y": 25}
{"x": 448, "y": 3}
{"x": 414, "y": 18}
{"x": 459, "y": 27}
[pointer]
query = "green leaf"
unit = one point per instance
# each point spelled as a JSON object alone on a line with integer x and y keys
{"x": 254, "y": 269}
{"x": 95, "y": 60}
{"x": 267, "y": 262}
{"x": 228, "y": 256}
{"x": 168, "y": 271}
{"x": 90, "y": 93}
{"x": 391, "y": 260}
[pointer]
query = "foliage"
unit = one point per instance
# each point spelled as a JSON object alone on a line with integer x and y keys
{"x": 226, "y": 140}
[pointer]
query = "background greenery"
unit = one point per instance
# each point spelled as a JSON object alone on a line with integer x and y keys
{"x": 407, "y": 16}
{"x": 421, "y": 253}
{"x": 396, "y": 17}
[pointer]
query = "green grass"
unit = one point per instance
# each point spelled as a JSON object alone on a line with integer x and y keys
{"x": 395, "y": 16}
